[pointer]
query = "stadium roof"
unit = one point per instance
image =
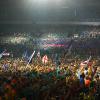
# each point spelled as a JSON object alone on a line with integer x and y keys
{"x": 13, "y": 11}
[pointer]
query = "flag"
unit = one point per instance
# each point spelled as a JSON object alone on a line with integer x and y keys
{"x": 30, "y": 58}
{"x": 85, "y": 63}
{"x": 38, "y": 55}
{"x": 25, "y": 56}
{"x": 1, "y": 55}
{"x": 45, "y": 59}
{"x": 6, "y": 54}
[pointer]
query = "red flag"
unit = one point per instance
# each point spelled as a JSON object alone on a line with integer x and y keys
{"x": 45, "y": 59}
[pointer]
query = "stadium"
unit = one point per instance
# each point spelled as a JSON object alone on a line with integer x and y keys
{"x": 49, "y": 49}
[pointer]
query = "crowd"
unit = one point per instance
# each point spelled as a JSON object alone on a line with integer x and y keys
{"x": 73, "y": 79}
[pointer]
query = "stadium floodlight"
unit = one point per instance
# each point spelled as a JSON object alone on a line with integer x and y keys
{"x": 39, "y": 1}
{"x": 45, "y": 1}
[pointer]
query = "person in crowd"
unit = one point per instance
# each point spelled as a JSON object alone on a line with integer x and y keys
{"x": 39, "y": 81}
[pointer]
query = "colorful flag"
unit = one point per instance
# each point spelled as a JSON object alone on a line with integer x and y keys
{"x": 85, "y": 63}
{"x": 45, "y": 59}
